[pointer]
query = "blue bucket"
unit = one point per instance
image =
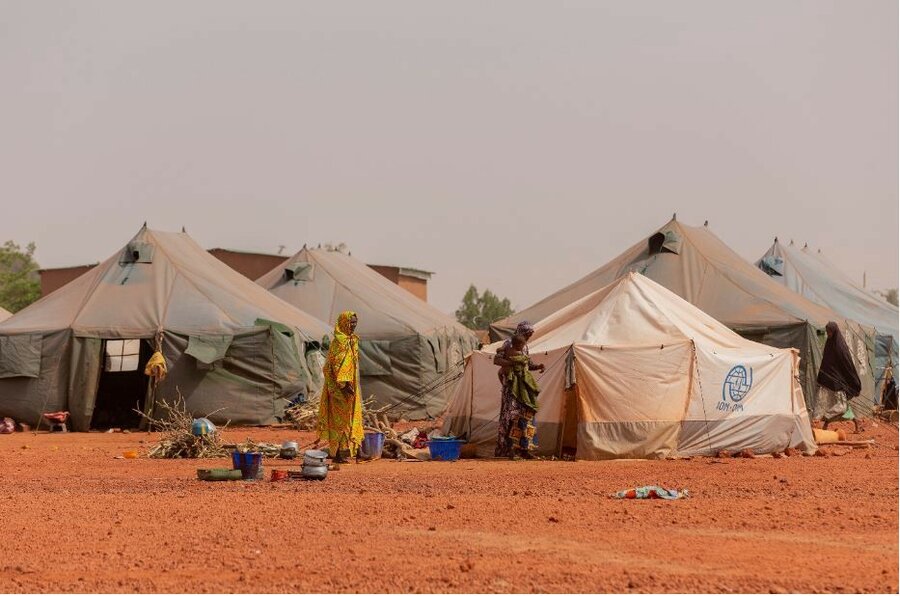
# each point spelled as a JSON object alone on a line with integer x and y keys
{"x": 250, "y": 464}
{"x": 445, "y": 449}
{"x": 372, "y": 445}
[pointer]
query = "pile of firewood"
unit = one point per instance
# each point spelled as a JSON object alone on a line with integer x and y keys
{"x": 394, "y": 448}
{"x": 304, "y": 416}
{"x": 178, "y": 440}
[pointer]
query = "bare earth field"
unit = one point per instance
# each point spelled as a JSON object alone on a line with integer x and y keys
{"x": 75, "y": 519}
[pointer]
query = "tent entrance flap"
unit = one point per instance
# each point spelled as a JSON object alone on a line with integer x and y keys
{"x": 122, "y": 388}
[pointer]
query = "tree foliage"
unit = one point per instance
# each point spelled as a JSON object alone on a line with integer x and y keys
{"x": 890, "y": 295}
{"x": 20, "y": 284}
{"x": 478, "y": 311}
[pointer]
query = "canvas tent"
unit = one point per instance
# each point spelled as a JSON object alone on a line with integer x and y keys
{"x": 694, "y": 264}
{"x": 4, "y": 314}
{"x": 637, "y": 372}
{"x": 814, "y": 277}
{"x": 410, "y": 353}
{"x": 229, "y": 345}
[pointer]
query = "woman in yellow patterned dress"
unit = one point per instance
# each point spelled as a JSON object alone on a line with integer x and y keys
{"x": 340, "y": 408}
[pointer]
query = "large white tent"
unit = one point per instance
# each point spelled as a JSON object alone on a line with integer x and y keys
{"x": 640, "y": 372}
{"x": 815, "y": 278}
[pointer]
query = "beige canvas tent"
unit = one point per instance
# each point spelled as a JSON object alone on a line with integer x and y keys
{"x": 4, "y": 314}
{"x": 229, "y": 345}
{"x": 410, "y": 353}
{"x": 696, "y": 265}
{"x": 635, "y": 371}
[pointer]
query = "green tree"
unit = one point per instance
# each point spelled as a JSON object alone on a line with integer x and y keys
{"x": 20, "y": 284}
{"x": 478, "y": 311}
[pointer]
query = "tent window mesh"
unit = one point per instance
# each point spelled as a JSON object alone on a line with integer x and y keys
{"x": 772, "y": 265}
{"x": 122, "y": 355}
{"x": 137, "y": 252}
{"x": 299, "y": 272}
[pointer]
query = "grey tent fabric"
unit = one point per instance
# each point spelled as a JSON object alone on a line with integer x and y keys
{"x": 410, "y": 352}
{"x": 20, "y": 356}
{"x": 708, "y": 274}
{"x": 208, "y": 349}
{"x": 165, "y": 290}
{"x": 811, "y": 275}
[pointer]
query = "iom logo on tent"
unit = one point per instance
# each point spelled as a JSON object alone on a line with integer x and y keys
{"x": 737, "y": 385}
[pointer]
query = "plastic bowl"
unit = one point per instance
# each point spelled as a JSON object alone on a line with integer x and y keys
{"x": 445, "y": 449}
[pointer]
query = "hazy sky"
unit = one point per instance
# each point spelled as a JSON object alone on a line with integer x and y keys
{"x": 515, "y": 145}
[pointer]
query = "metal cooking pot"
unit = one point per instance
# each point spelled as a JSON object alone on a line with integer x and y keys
{"x": 315, "y": 457}
{"x": 314, "y": 472}
{"x": 288, "y": 450}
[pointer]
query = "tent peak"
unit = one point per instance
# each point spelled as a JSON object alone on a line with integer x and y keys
{"x": 675, "y": 216}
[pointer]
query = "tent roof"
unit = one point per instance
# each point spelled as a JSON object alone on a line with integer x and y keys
{"x": 4, "y": 314}
{"x": 182, "y": 289}
{"x": 336, "y": 282}
{"x": 634, "y": 311}
{"x": 814, "y": 277}
{"x": 699, "y": 267}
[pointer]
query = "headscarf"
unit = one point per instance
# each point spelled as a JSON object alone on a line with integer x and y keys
{"x": 837, "y": 371}
{"x": 524, "y": 328}
{"x": 344, "y": 344}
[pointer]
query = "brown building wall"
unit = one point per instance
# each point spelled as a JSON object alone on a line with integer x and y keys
{"x": 417, "y": 287}
{"x": 52, "y": 279}
{"x": 414, "y": 285}
{"x": 392, "y": 273}
{"x": 248, "y": 264}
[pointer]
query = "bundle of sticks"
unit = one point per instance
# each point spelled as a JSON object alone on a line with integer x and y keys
{"x": 251, "y": 446}
{"x": 305, "y": 415}
{"x": 178, "y": 441}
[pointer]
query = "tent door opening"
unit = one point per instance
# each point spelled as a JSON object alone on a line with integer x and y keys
{"x": 123, "y": 384}
{"x": 568, "y": 445}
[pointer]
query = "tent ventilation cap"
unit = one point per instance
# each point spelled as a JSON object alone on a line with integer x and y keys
{"x": 664, "y": 241}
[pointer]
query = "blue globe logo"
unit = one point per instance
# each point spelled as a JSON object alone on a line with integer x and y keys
{"x": 737, "y": 383}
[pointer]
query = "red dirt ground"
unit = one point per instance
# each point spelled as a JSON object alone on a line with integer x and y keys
{"x": 77, "y": 520}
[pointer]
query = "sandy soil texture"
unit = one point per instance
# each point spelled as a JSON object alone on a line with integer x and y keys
{"x": 75, "y": 519}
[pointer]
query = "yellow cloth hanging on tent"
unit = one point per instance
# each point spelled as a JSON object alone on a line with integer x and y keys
{"x": 156, "y": 367}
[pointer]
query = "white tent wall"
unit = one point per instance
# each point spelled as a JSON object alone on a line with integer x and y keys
{"x": 762, "y": 420}
{"x": 631, "y": 400}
